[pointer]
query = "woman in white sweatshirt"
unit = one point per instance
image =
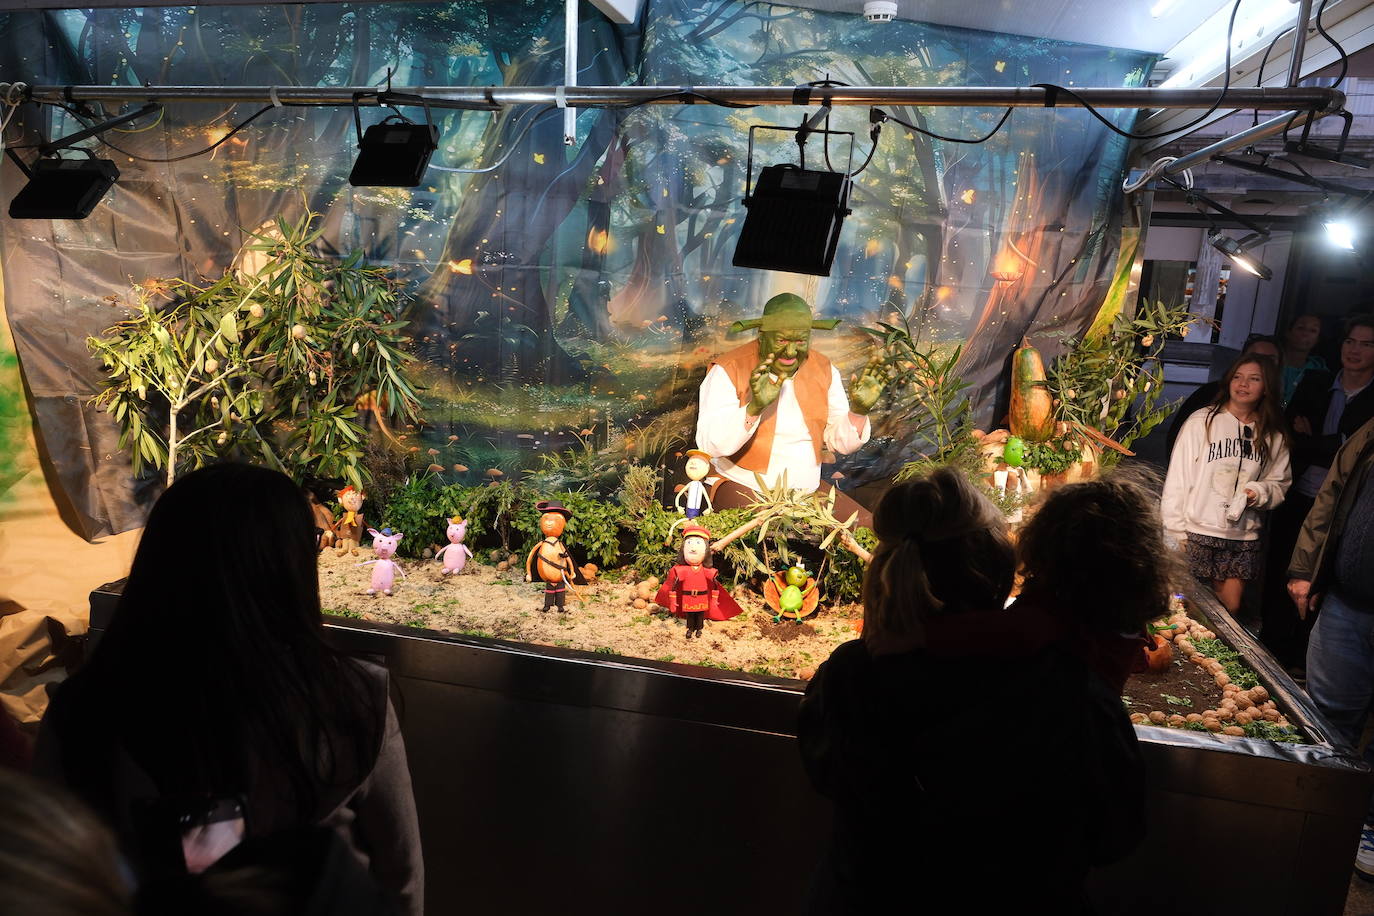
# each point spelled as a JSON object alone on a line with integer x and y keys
{"x": 1230, "y": 461}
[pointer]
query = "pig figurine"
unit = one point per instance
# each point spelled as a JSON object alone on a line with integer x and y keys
{"x": 456, "y": 554}
{"x": 384, "y": 568}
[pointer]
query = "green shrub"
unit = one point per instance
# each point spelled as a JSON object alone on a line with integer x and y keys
{"x": 844, "y": 575}
{"x": 415, "y": 510}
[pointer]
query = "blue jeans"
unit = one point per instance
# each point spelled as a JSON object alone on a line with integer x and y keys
{"x": 1340, "y": 672}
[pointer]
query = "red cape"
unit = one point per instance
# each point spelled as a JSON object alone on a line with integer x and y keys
{"x": 726, "y": 607}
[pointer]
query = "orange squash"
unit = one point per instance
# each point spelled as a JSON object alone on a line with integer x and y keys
{"x": 1032, "y": 406}
{"x": 1159, "y": 653}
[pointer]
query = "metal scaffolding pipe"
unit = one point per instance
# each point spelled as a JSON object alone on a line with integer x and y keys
{"x": 1242, "y": 139}
{"x": 1312, "y": 98}
{"x": 1299, "y": 42}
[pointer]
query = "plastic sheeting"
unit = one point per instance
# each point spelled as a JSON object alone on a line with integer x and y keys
{"x": 585, "y": 286}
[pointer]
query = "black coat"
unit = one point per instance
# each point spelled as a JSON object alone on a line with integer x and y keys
{"x": 1310, "y": 400}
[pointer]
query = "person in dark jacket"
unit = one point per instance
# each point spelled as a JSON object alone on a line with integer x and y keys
{"x": 914, "y": 799}
{"x": 1325, "y": 411}
{"x": 1331, "y": 569}
{"x": 214, "y": 712}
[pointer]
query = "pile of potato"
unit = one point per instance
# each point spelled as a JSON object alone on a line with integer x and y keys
{"x": 641, "y": 594}
{"x": 1238, "y": 707}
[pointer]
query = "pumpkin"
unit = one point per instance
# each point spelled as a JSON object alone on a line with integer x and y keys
{"x": 1032, "y": 405}
{"x": 1159, "y": 653}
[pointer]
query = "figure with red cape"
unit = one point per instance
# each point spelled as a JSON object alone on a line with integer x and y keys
{"x": 691, "y": 589}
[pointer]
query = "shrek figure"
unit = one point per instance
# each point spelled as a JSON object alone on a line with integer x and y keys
{"x": 770, "y": 406}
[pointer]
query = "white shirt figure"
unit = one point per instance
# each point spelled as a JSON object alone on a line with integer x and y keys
{"x": 722, "y": 431}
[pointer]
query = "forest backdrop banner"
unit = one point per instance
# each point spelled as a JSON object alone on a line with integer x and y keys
{"x": 574, "y": 296}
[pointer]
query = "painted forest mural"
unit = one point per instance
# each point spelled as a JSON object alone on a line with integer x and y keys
{"x": 562, "y": 299}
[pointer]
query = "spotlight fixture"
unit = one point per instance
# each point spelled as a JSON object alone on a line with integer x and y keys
{"x": 63, "y": 188}
{"x": 1340, "y": 232}
{"x": 1236, "y": 251}
{"x": 794, "y": 213}
{"x": 67, "y": 188}
{"x": 395, "y": 152}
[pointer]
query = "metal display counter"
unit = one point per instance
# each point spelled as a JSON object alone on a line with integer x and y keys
{"x": 551, "y": 780}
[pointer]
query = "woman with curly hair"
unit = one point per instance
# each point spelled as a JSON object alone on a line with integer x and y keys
{"x": 908, "y": 791}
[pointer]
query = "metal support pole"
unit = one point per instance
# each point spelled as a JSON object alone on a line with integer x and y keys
{"x": 1299, "y": 42}
{"x": 570, "y": 67}
{"x": 1311, "y": 98}
{"x": 1237, "y": 141}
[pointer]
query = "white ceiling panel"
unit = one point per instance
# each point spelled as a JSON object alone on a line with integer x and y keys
{"x": 1141, "y": 25}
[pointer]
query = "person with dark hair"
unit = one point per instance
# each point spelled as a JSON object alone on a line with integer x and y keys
{"x": 911, "y": 798}
{"x": 1206, "y": 393}
{"x": 1230, "y": 461}
{"x": 1300, "y": 342}
{"x": 56, "y": 859}
{"x": 1095, "y": 563}
{"x": 1326, "y": 410}
{"x": 214, "y": 700}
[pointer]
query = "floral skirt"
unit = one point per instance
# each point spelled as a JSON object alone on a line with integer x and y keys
{"x": 1212, "y": 558}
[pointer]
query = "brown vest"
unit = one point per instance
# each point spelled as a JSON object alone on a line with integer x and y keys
{"x": 812, "y": 387}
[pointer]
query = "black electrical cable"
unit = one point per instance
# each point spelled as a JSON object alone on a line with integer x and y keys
{"x": 1221, "y": 96}
{"x": 929, "y": 133}
{"x": 211, "y": 148}
{"x": 1345, "y": 59}
{"x": 1259, "y": 79}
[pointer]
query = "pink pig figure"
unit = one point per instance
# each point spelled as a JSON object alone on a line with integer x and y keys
{"x": 456, "y": 554}
{"x": 384, "y": 568}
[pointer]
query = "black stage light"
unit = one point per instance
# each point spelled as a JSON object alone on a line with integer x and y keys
{"x": 394, "y": 155}
{"x": 63, "y": 188}
{"x": 793, "y": 220}
{"x": 1237, "y": 250}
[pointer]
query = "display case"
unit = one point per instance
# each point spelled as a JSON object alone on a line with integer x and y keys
{"x": 543, "y": 774}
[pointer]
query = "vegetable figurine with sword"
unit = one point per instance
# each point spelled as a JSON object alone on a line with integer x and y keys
{"x": 549, "y": 558}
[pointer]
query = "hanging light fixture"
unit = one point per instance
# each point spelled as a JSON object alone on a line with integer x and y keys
{"x": 1340, "y": 231}
{"x": 1237, "y": 251}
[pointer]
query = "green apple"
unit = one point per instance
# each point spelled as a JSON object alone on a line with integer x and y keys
{"x": 1014, "y": 452}
{"x": 796, "y": 575}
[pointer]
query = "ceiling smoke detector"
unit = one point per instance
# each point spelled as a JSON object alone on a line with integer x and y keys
{"x": 880, "y": 10}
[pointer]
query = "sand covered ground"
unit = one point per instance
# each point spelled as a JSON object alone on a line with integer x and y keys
{"x": 486, "y": 602}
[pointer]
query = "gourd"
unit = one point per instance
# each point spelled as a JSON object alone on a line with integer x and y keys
{"x": 1159, "y": 653}
{"x": 1032, "y": 406}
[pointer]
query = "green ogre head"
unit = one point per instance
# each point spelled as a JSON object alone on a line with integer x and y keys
{"x": 785, "y": 331}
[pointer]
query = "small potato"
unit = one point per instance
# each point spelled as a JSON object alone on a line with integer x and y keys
{"x": 1185, "y": 646}
{"x": 503, "y": 566}
{"x": 1176, "y": 721}
{"x": 640, "y": 604}
{"x": 1138, "y": 718}
{"x": 1268, "y": 704}
{"x": 1208, "y": 634}
{"x": 1225, "y": 715}
{"x": 1223, "y": 679}
{"x": 1158, "y": 718}
{"x": 1234, "y": 731}
{"x": 1212, "y": 725}
{"x": 1193, "y": 717}
{"x": 1243, "y": 718}
{"x": 653, "y": 581}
